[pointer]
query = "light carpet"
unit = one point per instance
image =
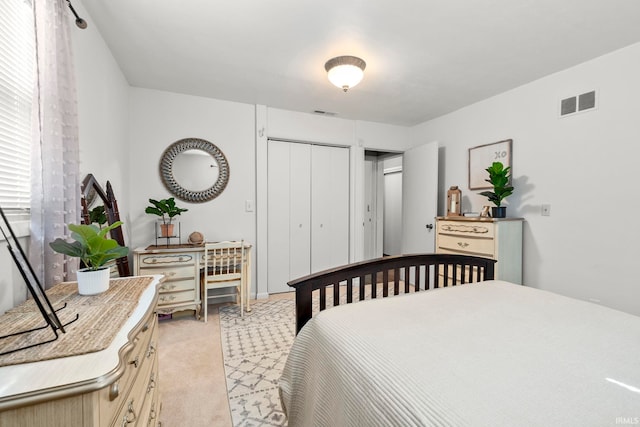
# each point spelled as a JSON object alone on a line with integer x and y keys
{"x": 255, "y": 349}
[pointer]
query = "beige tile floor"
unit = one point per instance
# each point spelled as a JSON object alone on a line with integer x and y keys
{"x": 192, "y": 381}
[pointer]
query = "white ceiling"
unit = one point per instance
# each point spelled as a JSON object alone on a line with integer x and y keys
{"x": 424, "y": 58}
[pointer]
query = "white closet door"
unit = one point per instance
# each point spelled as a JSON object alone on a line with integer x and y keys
{"x": 300, "y": 211}
{"x": 329, "y": 207}
{"x": 278, "y": 196}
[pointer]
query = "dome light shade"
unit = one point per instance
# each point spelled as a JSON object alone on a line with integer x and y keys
{"x": 345, "y": 71}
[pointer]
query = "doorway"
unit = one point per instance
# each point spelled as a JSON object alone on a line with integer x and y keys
{"x": 382, "y": 220}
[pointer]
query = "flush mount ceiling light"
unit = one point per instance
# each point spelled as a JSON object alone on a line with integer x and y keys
{"x": 345, "y": 71}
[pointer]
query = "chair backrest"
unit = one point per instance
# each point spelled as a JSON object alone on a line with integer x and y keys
{"x": 223, "y": 260}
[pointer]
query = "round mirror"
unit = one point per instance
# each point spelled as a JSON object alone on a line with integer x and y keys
{"x": 194, "y": 170}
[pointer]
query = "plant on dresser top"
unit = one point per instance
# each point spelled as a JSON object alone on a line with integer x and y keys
{"x": 95, "y": 249}
{"x": 500, "y": 178}
{"x": 166, "y": 209}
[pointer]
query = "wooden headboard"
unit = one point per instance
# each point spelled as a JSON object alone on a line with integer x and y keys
{"x": 386, "y": 277}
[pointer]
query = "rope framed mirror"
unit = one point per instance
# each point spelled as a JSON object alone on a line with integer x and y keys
{"x": 194, "y": 170}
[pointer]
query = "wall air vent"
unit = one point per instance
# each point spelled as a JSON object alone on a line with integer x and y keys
{"x": 324, "y": 113}
{"x": 578, "y": 103}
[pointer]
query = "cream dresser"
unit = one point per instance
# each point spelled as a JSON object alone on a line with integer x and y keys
{"x": 180, "y": 265}
{"x": 116, "y": 386}
{"x": 499, "y": 239}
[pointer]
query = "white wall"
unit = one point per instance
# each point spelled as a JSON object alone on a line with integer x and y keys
{"x": 583, "y": 165}
{"x": 103, "y": 102}
{"x": 158, "y": 119}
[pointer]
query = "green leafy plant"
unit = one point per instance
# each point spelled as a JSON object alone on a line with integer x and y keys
{"x": 98, "y": 216}
{"x": 91, "y": 245}
{"x": 165, "y": 208}
{"x": 499, "y": 177}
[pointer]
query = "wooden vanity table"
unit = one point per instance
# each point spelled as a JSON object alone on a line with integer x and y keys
{"x": 180, "y": 265}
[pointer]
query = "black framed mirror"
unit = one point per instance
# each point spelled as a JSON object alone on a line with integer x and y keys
{"x": 92, "y": 195}
{"x": 194, "y": 170}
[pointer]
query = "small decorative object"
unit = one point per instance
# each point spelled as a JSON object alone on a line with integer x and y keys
{"x": 196, "y": 238}
{"x": 454, "y": 200}
{"x": 94, "y": 250}
{"x": 483, "y": 155}
{"x": 166, "y": 209}
{"x": 500, "y": 178}
{"x": 485, "y": 212}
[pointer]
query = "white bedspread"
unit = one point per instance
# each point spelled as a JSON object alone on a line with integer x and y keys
{"x": 488, "y": 354}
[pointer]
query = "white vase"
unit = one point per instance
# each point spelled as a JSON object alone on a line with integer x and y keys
{"x": 92, "y": 282}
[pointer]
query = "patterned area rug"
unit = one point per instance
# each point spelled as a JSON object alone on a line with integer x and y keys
{"x": 255, "y": 349}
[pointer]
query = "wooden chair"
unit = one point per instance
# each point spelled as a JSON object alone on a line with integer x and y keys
{"x": 223, "y": 269}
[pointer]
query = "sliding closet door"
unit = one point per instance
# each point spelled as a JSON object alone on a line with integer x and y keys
{"x": 308, "y": 210}
{"x": 300, "y": 211}
{"x": 278, "y": 196}
{"x": 329, "y": 207}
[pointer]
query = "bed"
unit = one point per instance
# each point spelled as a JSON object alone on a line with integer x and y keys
{"x": 490, "y": 353}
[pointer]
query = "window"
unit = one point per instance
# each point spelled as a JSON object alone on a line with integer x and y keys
{"x": 17, "y": 79}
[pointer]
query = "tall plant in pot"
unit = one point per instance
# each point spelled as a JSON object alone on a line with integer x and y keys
{"x": 166, "y": 209}
{"x": 95, "y": 250}
{"x": 500, "y": 178}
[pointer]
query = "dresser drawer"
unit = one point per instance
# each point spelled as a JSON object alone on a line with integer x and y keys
{"x": 176, "y": 286}
{"x": 466, "y": 245}
{"x": 456, "y": 228}
{"x": 176, "y": 297}
{"x": 173, "y": 259}
{"x": 131, "y": 413}
{"x": 170, "y": 272}
{"x": 145, "y": 342}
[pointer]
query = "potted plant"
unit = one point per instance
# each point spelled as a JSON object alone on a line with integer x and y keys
{"x": 98, "y": 216}
{"x": 500, "y": 178}
{"x": 94, "y": 249}
{"x": 166, "y": 209}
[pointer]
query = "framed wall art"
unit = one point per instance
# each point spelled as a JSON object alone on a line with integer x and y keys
{"x": 482, "y": 156}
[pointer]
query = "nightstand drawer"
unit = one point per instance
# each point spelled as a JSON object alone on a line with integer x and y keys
{"x": 466, "y": 245}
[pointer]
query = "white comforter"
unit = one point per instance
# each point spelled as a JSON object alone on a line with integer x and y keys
{"x": 488, "y": 354}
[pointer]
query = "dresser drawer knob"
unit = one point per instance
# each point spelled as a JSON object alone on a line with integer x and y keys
{"x": 151, "y": 350}
{"x": 152, "y": 383}
{"x": 114, "y": 391}
{"x": 463, "y": 244}
{"x": 130, "y": 416}
{"x": 167, "y": 287}
{"x": 135, "y": 362}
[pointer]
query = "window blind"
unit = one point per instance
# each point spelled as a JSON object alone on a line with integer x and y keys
{"x": 17, "y": 79}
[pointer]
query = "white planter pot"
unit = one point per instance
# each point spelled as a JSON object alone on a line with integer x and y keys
{"x": 92, "y": 282}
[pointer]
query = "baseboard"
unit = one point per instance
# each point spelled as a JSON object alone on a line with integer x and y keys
{"x": 264, "y": 295}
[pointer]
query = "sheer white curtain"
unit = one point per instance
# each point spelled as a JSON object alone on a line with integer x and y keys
{"x": 55, "y": 155}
